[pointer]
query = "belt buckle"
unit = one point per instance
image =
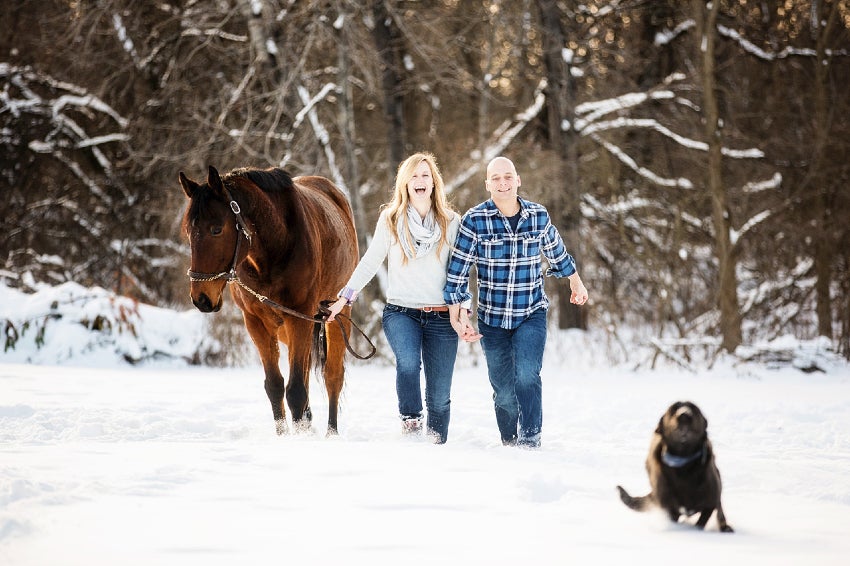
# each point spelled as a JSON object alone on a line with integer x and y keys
{"x": 427, "y": 309}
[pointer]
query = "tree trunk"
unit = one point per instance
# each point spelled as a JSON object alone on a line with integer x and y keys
{"x": 727, "y": 292}
{"x": 257, "y": 35}
{"x": 824, "y": 242}
{"x": 387, "y": 41}
{"x": 564, "y": 201}
{"x": 347, "y": 127}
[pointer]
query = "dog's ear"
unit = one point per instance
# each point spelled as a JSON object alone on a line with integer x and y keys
{"x": 698, "y": 412}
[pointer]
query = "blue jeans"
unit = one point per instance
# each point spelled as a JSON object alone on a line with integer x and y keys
{"x": 420, "y": 338}
{"x": 514, "y": 359}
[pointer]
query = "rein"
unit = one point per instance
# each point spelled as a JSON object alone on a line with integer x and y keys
{"x": 232, "y": 277}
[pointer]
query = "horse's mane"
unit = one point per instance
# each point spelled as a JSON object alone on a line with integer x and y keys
{"x": 271, "y": 180}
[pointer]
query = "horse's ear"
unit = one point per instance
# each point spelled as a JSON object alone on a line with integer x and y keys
{"x": 214, "y": 181}
{"x": 189, "y": 186}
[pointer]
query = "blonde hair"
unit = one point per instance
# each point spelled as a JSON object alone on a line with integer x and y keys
{"x": 397, "y": 207}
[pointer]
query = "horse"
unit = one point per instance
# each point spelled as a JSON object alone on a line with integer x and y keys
{"x": 293, "y": 240}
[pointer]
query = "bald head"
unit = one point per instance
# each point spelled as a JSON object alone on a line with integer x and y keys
{"x": 500, "y": 164}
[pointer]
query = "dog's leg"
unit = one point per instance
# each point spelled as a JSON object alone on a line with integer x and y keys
{"x": 721, "y": 521}
{"x": 637, "y": 503}
{"x": 704, "y": 515}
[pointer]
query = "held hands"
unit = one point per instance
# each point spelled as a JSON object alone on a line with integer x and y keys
{"x": 335, "y": 308}
{"x": 460, "y": 322}
{"x": 578, "y": 295}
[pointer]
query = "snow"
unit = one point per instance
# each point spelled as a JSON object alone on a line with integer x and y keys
{"x": 102, "y": 462}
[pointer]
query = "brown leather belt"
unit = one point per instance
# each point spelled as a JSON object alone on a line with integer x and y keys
{"x": 443, "y": 308}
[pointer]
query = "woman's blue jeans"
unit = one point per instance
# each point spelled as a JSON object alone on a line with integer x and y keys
{"x": 423, "y": 339}
{"x": 514, "y": 359}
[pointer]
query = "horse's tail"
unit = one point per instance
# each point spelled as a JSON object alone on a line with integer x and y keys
{"x": 319, "y": 353}
{"x": 320, "y": 338}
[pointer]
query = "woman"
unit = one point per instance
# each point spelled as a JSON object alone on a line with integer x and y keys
{"x": 415, "y": 233}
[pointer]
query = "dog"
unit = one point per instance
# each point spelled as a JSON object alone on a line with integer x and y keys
{"x": 681, "y": 467}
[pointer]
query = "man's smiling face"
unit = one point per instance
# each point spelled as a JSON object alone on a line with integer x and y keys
{"x": 502, "y": 181}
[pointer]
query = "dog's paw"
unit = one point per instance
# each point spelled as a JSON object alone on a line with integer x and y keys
{"x": 726, "y": 529}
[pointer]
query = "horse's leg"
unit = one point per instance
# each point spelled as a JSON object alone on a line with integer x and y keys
{"x": 335, "y": 370}
{"x": 269, "y": 350}
{"x": 299, "y": 343}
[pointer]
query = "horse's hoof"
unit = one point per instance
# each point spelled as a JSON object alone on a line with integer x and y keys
{"x": 281, "y": 427}
{"x": 332, "y": 431}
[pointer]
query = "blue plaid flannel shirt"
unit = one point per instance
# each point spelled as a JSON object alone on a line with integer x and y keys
{"x": 510, "y": 278}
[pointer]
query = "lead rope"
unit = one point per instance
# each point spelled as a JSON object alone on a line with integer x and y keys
{"x": 321, "y": 318}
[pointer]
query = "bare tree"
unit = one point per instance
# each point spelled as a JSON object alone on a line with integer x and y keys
{"x": 727, "y": 283}
{"x": 565, "y": 199}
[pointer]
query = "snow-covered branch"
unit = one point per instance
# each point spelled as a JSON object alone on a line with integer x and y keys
{"x": 215, "y": 32}
{"x": 647, "y": 123}
{"x": 735, "y": 235}
{"x": 322, "y": 134}
{"x": 758, "y": 186}
{"x": 503, "y": 135}
{"x": 666, "y": 37}
{"x": 629, "y": 162}
{"x": 99, "y": 140}
{"x": 124, "y": 39}
{"x": 786, "y": 52}
{"x": 770, "y": 286}
{"x": 311, "y": 102}
{"x": 236, "y": 94}
{"x": 592, "y": 111}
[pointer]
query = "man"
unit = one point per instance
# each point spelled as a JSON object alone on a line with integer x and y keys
{"x": 504, "y": 238}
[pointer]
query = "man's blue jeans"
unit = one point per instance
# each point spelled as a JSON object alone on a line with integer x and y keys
{"x": 418, "y": 339}
{"x": 514, "y": 359}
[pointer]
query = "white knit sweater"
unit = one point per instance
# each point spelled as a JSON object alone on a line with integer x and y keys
{"x": 417, "y": 283}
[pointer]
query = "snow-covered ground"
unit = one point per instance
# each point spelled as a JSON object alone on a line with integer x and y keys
{"x": 106, "y": 463}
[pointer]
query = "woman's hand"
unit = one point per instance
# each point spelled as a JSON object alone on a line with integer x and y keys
{"x": 469, "y": 333}
{"x": 336, "y": 308}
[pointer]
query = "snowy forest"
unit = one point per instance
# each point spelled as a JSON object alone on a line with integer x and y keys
{"x": 694, "y": 155}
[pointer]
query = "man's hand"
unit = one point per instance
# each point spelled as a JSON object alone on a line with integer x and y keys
{"x": 578, "y": 295}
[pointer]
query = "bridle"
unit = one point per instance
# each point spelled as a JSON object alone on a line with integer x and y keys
{"x": 232, "y": 277}
{"x": 241, "y": 228}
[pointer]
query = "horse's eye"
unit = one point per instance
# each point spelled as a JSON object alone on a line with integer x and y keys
{"x": 215, "y": 230}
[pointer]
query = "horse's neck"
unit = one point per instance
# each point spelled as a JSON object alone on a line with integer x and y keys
{"x": 276, "y": 225}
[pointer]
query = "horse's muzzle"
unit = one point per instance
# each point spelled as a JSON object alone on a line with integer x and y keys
{"x": 204, "y": 304}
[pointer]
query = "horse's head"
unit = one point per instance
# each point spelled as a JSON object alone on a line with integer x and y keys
{"x": 210, "y": 224}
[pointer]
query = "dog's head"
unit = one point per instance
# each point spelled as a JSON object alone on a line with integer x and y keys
{"x": 683, "y": 428}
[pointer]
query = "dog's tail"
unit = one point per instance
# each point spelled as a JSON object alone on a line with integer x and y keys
{"x": 642, "y": 503}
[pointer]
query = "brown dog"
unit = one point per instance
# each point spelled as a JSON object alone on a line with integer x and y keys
{"x": 684, "y": 478}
